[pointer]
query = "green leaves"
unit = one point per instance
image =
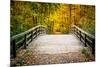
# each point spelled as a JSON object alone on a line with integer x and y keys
{"x": 25, "y": 15}
{"x": 87, "y": 21}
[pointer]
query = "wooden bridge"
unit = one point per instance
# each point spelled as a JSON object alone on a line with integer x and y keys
{"x": 76, "y": 40}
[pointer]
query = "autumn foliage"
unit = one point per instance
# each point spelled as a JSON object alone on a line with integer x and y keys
{"x": 57, "y": 17}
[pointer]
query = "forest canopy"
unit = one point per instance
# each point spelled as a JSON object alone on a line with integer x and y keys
{"x": 57, "y": 17}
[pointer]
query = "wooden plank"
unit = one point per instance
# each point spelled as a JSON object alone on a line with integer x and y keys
{"x": 20, "y": 41}
{"x": 23, "y": 39}
{"x": 13, "y": 48}
{"x": 86, "y": 38}
{"x": 84, "y": 32}
{"x": 29, "y": 35}
{"x": 25, "y": 43}
{"x": 22, "y": 34}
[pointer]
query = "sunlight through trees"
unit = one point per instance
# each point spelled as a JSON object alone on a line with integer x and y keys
{"x": 56, "y": 17}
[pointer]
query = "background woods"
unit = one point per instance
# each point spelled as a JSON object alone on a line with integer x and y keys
{"x": 56, "y": 17}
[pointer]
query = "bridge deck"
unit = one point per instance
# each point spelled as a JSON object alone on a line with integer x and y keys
{"x": 54, "y": 44}
{"x": 54, "y": 49}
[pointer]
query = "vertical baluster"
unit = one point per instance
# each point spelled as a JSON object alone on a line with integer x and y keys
{"x": 80, "y": 35}
{"x": 77, "y": 32}
{"x": 74, "y": 30}
{"x": 85, "y": 39}
{"x": 36, "y": 32}
{"x": 93, "y": 47}
{"x": 31, "y": 35}
{"x": 25, "y": 42}
{"x": 13, "y": 48}
{"x": 39, "y": 30}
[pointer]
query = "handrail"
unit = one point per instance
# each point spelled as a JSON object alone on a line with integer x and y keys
{"x": 86, "y": 38}
{"x": 23, "y": 39}
{"x": 84, "y": 32}
{"x": 23, "y": 33}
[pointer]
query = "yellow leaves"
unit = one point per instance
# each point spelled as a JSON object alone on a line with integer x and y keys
{"x": 57, "y": 25}
{"x": 54, "y": 16}
{"x": 61, "y": 16}
{"x": 60, "y": 13}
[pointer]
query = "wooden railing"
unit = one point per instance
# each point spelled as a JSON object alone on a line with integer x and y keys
{"x": 86, "y": 38}
{"x": 23, "y": 39}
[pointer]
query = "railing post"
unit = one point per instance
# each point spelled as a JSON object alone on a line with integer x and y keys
{"x": 80, "y": 35}
{"x": 31, "y": 36}
{"x": 85, "y": 39}
{"x": 39, "y": 30}
{"x": 73, "y": 29}
{"x": 36, "y": 32}
{"x": 25, "y": 43}
{"x": 77, "y": 32}
{"x": 93, "y": 48}
{"x": 23, "y": 39}
{"x": 14, "y": 48}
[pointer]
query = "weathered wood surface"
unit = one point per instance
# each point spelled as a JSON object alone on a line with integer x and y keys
{"x": 59, "y": 42}
{"x": 26, "y": 32}
{"x": 54, "y": 49}
{"x": 86, "y": 38}
{"x": 23, "y": 39}
{"x": 55, "y": 44}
